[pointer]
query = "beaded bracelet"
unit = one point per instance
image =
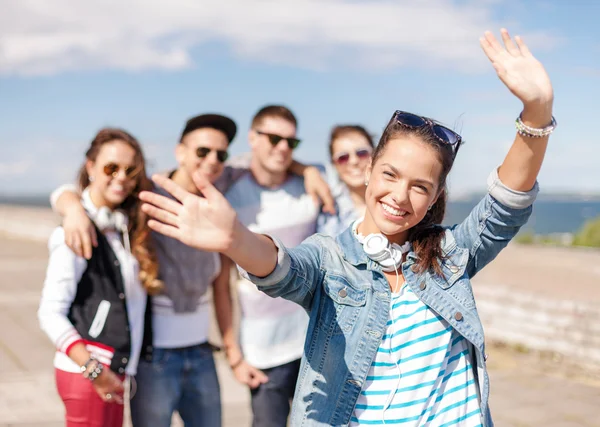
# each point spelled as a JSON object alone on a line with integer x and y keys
{"x": 528, "y": 131}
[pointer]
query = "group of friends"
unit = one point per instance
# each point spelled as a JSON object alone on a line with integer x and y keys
{"x": 356, "y": 304}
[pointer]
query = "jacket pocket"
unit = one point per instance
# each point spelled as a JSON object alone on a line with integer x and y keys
{"x": 99, "y": 319}
{"x": 341, "y": 310}
{"x": 342, "y": 292}
{"x": 453, "y": 267}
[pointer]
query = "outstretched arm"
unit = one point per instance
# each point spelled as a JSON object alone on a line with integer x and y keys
{"x": 512, "y": 189}
{"x": 209, "y": 224}
{"x": 527, "y": 79}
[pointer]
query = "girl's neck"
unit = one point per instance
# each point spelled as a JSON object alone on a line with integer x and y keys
{"x": 98, "y": 200}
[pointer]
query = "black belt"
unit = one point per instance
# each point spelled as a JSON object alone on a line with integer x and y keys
{"x": 204, "y": 345}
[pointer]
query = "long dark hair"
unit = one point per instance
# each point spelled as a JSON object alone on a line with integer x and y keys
{"x": 426, "y": 237}
{"x": 140, "y": 238}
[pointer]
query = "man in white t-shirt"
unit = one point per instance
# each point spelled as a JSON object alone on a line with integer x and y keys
{"x": 269, "y": 200}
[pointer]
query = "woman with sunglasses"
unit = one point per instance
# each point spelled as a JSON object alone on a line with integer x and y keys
{"x": 394, "y": 336}
{"x": 350, "y": 149}
{"x": 93, "y": 309}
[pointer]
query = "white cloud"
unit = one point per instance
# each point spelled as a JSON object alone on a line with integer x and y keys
{"x": 40, "y": 37}
{"x": 15, "y": 169}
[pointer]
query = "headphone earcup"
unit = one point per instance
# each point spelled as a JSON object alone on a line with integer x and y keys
{"x": 377, "y": 248}
{"x": 120, "y": 220}
{"x": 393, "y": 261}
{"x": 103, "y": 218}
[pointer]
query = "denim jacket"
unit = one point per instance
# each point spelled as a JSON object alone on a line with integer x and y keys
{"x": 348, "y": 298}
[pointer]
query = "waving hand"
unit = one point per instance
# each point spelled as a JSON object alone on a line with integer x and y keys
{"x": 205, "y": 223}
{"x": 517, "y": 68}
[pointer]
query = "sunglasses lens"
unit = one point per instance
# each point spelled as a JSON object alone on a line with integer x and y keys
{"x": 111, "y": 169}
{"x": 363, "y": 154}
{"x": 222, "y": 156}
{"x": 202, "y": 152}
{"x": 445, "y": 134}
{"x": 342, "y": 159}
{"x": 293, "y": 142}
{"x": 408, "y": 119}
{"x": 274, "y": 139}
{"x": 131, "y": 171}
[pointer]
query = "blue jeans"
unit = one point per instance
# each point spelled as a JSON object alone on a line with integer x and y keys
{"x": 271, "y": 401}
{"x": 183, "y": 380}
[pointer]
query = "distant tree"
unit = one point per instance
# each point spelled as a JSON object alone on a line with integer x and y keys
{"x": 589, "y": 234}
{"x": 525, "y": 238}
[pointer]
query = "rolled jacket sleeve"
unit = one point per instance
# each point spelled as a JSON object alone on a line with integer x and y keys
{"x": 297, "y": 274}
{"x": 507, "y": 196}
{"x": 282, "y": 269}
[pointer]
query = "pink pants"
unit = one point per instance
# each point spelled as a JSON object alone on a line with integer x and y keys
{"x": 84, "y": 408}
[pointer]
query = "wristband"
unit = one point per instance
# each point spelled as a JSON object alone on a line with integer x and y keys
{"x": 92, "y": 374}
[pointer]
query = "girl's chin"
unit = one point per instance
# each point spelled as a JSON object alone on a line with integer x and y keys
{"x": 116, "y": 199}
{"x": 392, "y": 228}
{"x": 354, "y": 183}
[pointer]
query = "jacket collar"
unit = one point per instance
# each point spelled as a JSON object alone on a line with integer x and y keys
{"x": 351, "y": 248}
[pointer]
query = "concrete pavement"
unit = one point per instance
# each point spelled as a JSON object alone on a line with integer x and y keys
{"x": 528, "y": 389}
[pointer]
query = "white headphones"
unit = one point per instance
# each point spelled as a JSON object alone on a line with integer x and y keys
{"x": 105, "y": 218}
{"x": 117, "y": 220}
{"x": 379, "y": 249}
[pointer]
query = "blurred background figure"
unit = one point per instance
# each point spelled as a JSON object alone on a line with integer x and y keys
{"x": 350, "y": 149}
{"x": 93, "y": 309}
{"x": 269, "y": 199}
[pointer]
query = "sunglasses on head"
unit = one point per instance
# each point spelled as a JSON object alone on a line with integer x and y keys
{"x": 112, "y": 169}
{"x": 274, "y": 139}
{"x": 202, "y": 152}
{"x": 343, "y": 157}
{"x": 443, "y": 134}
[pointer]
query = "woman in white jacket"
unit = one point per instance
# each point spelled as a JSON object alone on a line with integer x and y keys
{"x": 94, "y": 310}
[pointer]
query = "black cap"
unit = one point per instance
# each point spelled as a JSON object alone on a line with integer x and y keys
{"x": 214, "y": 121}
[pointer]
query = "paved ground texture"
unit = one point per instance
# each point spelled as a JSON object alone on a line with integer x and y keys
{"x": 528, "y": 389}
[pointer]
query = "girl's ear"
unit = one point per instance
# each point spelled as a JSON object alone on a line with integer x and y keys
{"x": 368, "y": 171}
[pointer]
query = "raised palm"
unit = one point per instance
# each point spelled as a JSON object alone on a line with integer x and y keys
{"x": 518, "y": 69}
{"x": 204, "y": 223}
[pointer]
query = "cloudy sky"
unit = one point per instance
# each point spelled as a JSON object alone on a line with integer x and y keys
{"x": 68, "y": 68}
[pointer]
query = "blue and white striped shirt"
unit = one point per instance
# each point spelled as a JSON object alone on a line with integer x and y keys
{"x": 422, "y": 373}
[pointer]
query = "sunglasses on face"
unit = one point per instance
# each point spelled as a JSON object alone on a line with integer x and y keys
{"x": 275, "y": 139}
{"x": 443, "y": 134}
{"x": 343, "y": 157}
{"x": 202, "y": 152}
{"x": 112, "y": 169}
